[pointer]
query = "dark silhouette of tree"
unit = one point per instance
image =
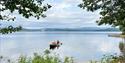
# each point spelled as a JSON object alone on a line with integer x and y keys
{"x": 122, "y": 48}
{"x": 26, "y": 8}
{"x": 112, "y": 11}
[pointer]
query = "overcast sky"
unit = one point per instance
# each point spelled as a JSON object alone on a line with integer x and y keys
{"x": 64, "y": 13}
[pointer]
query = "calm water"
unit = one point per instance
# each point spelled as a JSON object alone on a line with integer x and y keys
{"x": 83, "y": 46}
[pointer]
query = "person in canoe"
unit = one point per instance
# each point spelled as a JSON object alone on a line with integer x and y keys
{"x": 55, "y": 44}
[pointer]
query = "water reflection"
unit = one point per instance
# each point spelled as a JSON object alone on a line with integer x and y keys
{"x": 121, "y": 43}
{"x": 122, "y": 46}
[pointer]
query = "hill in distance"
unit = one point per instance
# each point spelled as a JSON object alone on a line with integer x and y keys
{"x": 72, "y": 29}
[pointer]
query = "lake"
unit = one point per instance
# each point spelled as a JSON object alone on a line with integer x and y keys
{"x": 83, "y": 46}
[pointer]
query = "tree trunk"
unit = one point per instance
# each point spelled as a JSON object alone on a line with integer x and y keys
{"x": 123, "y": 47}
{"x": 123, "y": 32}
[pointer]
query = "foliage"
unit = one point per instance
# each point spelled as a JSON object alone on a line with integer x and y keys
{"x": 10, "y": 29}
{"x": 122, "y": 48}
{"x": 26, "y": 8}
{"x": 39, "y": 58}
{"x": 68, "y": 60}
{"x": 112, "y": 11}
{"x": 110, "y": 59}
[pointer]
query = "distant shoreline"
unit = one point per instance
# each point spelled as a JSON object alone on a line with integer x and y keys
{"x": 84, "y": 29}
{"x": 71, "y": 32}
{"x": 117, "y": 35}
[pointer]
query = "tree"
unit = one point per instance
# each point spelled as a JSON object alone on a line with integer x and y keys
{"x": 112, "y": 11}
{"x": 26, "y": 8}
{"x": 122, "y": 48}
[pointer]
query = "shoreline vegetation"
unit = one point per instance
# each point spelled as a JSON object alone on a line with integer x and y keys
{"x": 117, "y": 35}
{"x": 73, "y": 29}
{"x": 48, "y": 57}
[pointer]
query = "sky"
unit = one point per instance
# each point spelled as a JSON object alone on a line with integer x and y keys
{"x": 64, "y": 13}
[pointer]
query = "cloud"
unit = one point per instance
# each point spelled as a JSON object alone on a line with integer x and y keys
{"x": 62, "y": 6}
{"x": 67, "y": 11}
{"x": 63, "y": 11}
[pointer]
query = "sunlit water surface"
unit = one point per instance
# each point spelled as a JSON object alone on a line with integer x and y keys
{"x": 83, "y": 46}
